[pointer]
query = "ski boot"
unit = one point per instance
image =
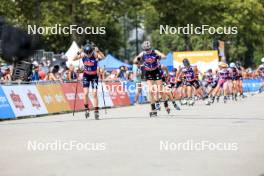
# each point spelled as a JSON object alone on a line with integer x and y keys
{"x": 236, "y": 97}
{"x": 96, "y": 115}
{"x": 205, "y": 96}
{"x": 212, "y": 99}
{"x": 191, "y": 102}
{"x": 87, "y": 113}
{"x": 225, "y": 99}
{"x": 176, "y": 106}
{"x": 157, "y": 106}
{"x": 183, "y": 102}
{"x": 217, "y": 99}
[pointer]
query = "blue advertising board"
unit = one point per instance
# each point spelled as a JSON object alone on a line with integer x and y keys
{"x": 251, "y": 85}
{"x": 6, "y": 111}
{"x": 131, "y": 89}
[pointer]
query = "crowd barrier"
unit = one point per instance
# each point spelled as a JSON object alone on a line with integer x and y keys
{"x": 38, "y": 99}
{"x": 251, "y": 85}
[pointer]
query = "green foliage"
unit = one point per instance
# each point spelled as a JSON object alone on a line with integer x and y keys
{"x": 121, "y": 17}
{"x": 247, "y": 15}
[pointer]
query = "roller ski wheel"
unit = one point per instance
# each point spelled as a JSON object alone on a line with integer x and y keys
{"x": 87, "y": 114}
{"x": 96, "y": 115}
{"x": 153, "y": 114}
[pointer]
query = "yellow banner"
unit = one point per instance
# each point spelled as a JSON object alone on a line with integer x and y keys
{"x": 53, "y": 98}
{"x": 202, "y": 59}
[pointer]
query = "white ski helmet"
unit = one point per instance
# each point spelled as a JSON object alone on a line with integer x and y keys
{"x": 232, "y": 65}
{"x": 146, "y": 45}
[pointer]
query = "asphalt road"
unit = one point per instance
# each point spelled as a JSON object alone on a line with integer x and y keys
{"x": 220, "y": 140}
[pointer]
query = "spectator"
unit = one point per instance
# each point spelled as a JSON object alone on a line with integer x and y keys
{"x": 113, "y": 76}
{"x": 35, "y": 72}
{"x": 102, "y": 74}
{"x": 53, "y": 75}
{"x": 7, "y": 75}
{"x": 41, "y": 72}
{"x": 71, "y": 74}
{"x": 122, "y": 73}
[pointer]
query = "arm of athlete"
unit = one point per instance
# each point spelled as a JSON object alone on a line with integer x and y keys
{"x": 99, "y": 54}
{"x": 80, "y": 54}
{"x": 160, "y": 54}
{"x": 179, "y": 73}
{"x": 138, "y": 57}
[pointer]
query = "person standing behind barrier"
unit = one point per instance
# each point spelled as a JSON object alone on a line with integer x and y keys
{"x": 90, "y": 56}
{"x": 71, "y": 75}
{"x": 53, "y": 74}
{"x": 137, "y": 73}
{"x": 35, "y": 73}
{"x": 7, "y": 75}
{"x": 122, "y": 73}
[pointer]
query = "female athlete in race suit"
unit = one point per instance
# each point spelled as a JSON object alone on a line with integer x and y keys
{"x": 151, "y": 59}
{"x": 90, "y": 56}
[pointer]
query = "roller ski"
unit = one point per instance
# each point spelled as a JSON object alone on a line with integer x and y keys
{"x": 153, "y": 114}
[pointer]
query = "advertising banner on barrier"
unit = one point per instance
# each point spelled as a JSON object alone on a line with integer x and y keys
{"x": 144, "y": 97}
{"x": 204, "y": 60}
{"x": 251, "y": 85}
{"x": 25, "y": 100}
{"x": 69, "y": 90}
{"x": 102, "y": 96}
{"x": 118, "y": 93}
{"x": 53, "y": 98}
{"x": 6, "y": 111}
{"x": 131, "y": 88}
